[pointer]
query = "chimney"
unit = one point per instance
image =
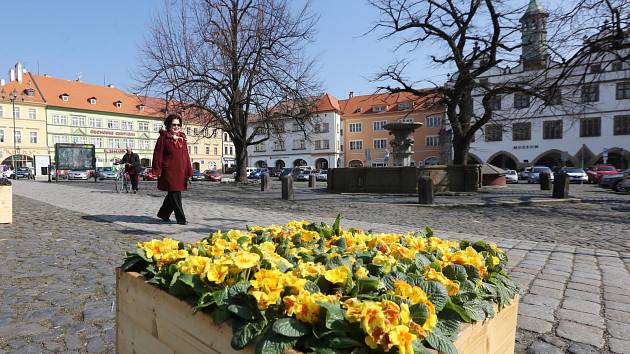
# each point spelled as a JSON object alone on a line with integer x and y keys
{"x": 110, "y": 86}
{"x": 12, "y": 75}
{"x": 2, "y": 82}
{"x": 351, "y": 94}
{"x": 19, "y": 71}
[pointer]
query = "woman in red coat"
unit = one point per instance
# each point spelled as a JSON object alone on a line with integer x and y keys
{"x": 171, "y": 164}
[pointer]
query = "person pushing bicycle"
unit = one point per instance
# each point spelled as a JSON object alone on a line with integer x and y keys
{"x": 131, "y": 162}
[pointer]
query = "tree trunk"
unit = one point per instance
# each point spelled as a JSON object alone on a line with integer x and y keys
{"x": 460, "y": 151}
{"x": 241, "y": 161}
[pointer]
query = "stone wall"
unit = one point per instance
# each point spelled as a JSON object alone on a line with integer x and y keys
{"x": 403, "y": 179}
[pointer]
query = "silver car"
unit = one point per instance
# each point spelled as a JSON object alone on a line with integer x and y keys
{"x": 576, "y": 175}
{"x": 78, "y": 175}
{"x": 534, "y": 174}
{"x": 511, "y": 176}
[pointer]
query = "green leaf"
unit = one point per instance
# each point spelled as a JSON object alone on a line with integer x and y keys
{"x": 332, "y": 313}
{"x": 311, "y": 287}
{"x": 428, "y": 231}
{"x": 436, "y": 293}
{"x": 422, "y": 261}
{"x": 455, "y": 272}
{"x": 289, "y": 327}
{"x": 472, "y": 272}
{"x": 419, "y": 313}
{"x": 368, "y": 285}
{"x": 131, "y": 261}
{"x": 338, "y": 342}
{"x": 273, "y": 343}
{"x": 220, "y": 315}
{"x": 220, "y": 296}
{"x": 241, "y": 311}
{"x": 474, "y": 310}
{"x": 458, "y": 310}
{"x": 448, "y": 327}
{"x": 441, "y": 343}
{"x": 419, "y": 348}
{"x": 181, "y": 285}
{"x": 239, "y": 288}
{"x": 336, "y": 226}
{"x": 245, "y": 333}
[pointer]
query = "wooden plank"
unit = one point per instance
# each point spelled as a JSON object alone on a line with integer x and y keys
{"x": 6, "y": 204}
{"x": 134, "y": 339}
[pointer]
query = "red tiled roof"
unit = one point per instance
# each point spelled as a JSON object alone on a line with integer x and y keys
{"x": 327, "y": 102}
{"x": 22, "y": 88}
{"x": 364, "y": 105}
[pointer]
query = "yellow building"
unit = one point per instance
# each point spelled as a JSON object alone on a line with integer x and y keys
{"x": 23, "y": 110}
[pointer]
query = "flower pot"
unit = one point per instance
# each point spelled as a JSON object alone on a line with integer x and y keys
{"x": 6, "y": 204}
{"x": 150, "y": 320}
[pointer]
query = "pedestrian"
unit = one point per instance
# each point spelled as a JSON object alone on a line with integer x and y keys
{"x": 171, "y": 165}
{"x": 131, "y": 161}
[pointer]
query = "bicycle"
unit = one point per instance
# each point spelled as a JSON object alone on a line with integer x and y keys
{"x": 121, "y": 183}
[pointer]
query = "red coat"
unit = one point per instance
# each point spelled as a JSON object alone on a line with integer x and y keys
{"x": 171, "y": 162}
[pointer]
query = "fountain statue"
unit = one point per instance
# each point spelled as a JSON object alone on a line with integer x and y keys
{"x": 403, "y": 141}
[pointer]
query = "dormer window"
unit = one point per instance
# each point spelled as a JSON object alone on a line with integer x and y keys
{"x": 141, "y": 107}
{"x": 118, "y": 104}
{"x": 65, "y": 97}
{"x": 403, "y": 106}
{"x": 358, "y": 110}
{"x": 30, "y": 92}
{"x": 378, "y": 109}
{"x": 92, "y": 100}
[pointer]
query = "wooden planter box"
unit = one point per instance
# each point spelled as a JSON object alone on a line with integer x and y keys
{"x": 6, "y": 204}
{"x": 150, "y": 320}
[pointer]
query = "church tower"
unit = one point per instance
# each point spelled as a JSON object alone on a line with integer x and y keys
{"x": 534, "y": 36}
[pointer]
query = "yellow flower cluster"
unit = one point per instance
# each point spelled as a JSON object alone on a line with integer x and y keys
{"x": 164, "y": 252}
{"x": 465, "y": 257}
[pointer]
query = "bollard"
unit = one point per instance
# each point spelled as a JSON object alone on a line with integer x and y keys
{"x": 425, "y": 190}
{"x": 311, "y": 181}
{"x": 265, "y": 182}
{"x": 544, "y": 179}
{"x": 561, "y": 186}
{"x": 287, "y": 188}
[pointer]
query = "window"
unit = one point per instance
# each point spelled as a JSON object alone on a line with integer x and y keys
{"x": 1, "y": 135}
{"x": 125, "y": 125}
{"x": 278, "y": 145}
{"x": 590, "y": 127}
{"x": 404, "y": 105}
{"x": 552, "y": 129}
{"x": 483, "y": 82}
{"x": 433, "y": 121}
{"x": 18, "y": 137}
{"x": 77, "y": 121}
{"x": 216, "y": 150}
{"x": 299, "y": 144}
{"x": 433, "y": 140}
{"x": 92, "y": 100}
{"x": 623, "y": 90}
{"x": 143, "y": 126}
{"x": 97, "y": 142}
{"x": 378, "y": 125}
{"x": 522, "y": 131}
{"x": 556, "y": 97}
{"x": 207, "y": 150}
{"x": 322, "y": 144}
{"x": 60, "y": 139}
{"x": 495, "y": 103}
{"x": 33, "y": 137}
{"x": 225, "y": 137}
{"x": 118, "y": 104}
{"x": 113, "y": 124}
{"x": 94, "y": 122}
{"x": 378, "y": 109}
{"x": 521, "y": 100}
{"x": 595, "y": 68}
{"x": 188, "y": 131}
{"x": 621, "y": 125}
{"x": 32, "y": 113}
{"x": 232, "y": 150}
{"x": 380, "y": 144}
{"x": 30, "y": 92}
{"x": 144, "y": 144}
{"x": 78, "y": 140}
{"x": 296, "y": 127}
{"x": 354, "y": 127}
{"x": 590, "y": 93}
{"x": 225, "y": 150}
{"x": 258, "y": 148}
{"x": 325, "y": 128}
{"x": 157, "y": 127}
{"x": 1, "y": 111}
{"x": 16, "y": 112}
{"x": 195, "y": 131}
{"x": 111, "y": 143}
{"x": 196, "y": 149}
{"x": 65, "y": 97}
{"x": 494, "y": 132}
{"x": 617, "y": 66}
{"x": 356, "y": 144}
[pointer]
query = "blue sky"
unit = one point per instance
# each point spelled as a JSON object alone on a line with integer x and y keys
{"x": 100, "y": 40}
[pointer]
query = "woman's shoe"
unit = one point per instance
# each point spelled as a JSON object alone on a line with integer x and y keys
{"x": 165, "y": 219}
{"x": 182, "y": 222}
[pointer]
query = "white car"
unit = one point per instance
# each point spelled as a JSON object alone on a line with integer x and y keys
{"x": 511, "y": 176}
{"x": 78, "y": 175}
{"x": 321, "y": 175}
{"x": 576, "y": 175}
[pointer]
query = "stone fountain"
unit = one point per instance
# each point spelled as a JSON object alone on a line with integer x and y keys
{"x": 403, "y": 141}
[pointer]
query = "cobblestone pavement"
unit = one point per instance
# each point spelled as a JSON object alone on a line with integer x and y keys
{"x": 574, "y": 297}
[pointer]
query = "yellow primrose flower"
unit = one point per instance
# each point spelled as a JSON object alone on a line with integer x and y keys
{"x": 216, "y": 273}
{"x": 361, "y": 272}
{"x": 402, "y": 338}
{"x": 310, "y": 269}
{"x": 194, "y": 264}
{"x": 451, "y": 286}
{"x": 384, "y": 260}
{"x": 338, "y": 275}
{"x": 495, "y": 261}
{"x": 245, "y": 260}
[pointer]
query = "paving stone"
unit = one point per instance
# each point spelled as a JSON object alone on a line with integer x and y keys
{"x": 618, "y": 330}
{"x": 549, "y": 284}
{"x": 579, "y": 348}
{"x": 581, "y": 317}
{"x": 581, "y": 333}
{"x": 583, "y": 287}
{"x": 553, "y": 340}
{"x": 541, "y": 347}
{"x": 617, "y": 315}
{"x": 552, "y": 277}
{"x": 537, "y": 311}
{"x": 625, "y": 299}
{"x": 581, "y": 305}
{"x": 539, "y": 290}
{"x": 587, "y": 281}
{"x": 96, "y": 345}
{"x": 533, "y": 324}
{"x": 617, "y": 306}
{"x": 551, "y": 303}
{"x": 619, "y": 346}
{"x": 21, "y": 330}
{"x": 615, "y": 290}
{"x": 582, "y": 295}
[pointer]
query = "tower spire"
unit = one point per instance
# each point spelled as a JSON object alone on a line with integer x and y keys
{"x": 534, "y": 36}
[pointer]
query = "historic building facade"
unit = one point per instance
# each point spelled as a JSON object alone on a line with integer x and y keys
{"x": 367, "y": 143}
{"x": 317, "y": 143}
{"x": 588, "y": 123}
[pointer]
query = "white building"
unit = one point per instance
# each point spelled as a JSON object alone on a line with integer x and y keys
{"x": 320, "y": 147}
{"x": 589, "y": 124}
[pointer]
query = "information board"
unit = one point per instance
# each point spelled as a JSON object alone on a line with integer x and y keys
{"x": 79, "y": 157}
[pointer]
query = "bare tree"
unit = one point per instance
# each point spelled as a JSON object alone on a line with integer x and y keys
{"x": 233, "y": 62}
{"x": 478, "y": 39}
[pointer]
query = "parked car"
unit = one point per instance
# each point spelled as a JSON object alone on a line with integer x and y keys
{"x": 78, "y": 175}
{"x": 608, "y": 181}
{"x": 213, "y": 175}
{"x": 23, "y": 172}
{"x": 275, "y": 172}
{"x": 258, "y": 173}
{"x": 524, "y": 174}
{"x": 285, "y": 172}
{"x": 148, "y": 175}
{"x": 596, "y": 172}
{"x": 197, "y": 176}
{"x": 107, "y": 173}
{"x": 576, "y": 175}
{"x": 303, "y": 175}
{"x": 511, "y": 176}
{"x": 248, "y": 170}
{"x": 623, "y": 185}
{"x": 63, "y": 174}
{"x": 321, "y": 175}
{"x": 534, "y": 174}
